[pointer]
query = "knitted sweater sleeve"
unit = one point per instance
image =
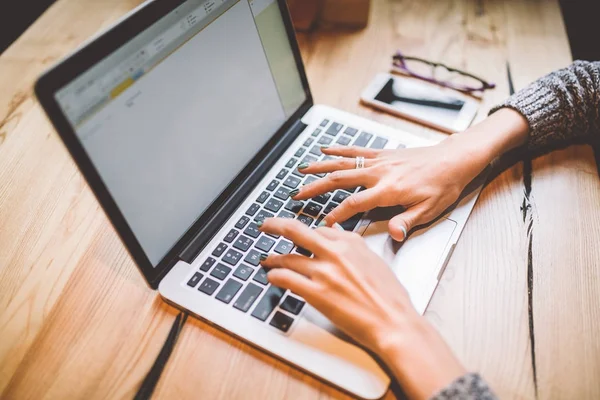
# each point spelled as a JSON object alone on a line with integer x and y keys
{"x": 561, "y": 107}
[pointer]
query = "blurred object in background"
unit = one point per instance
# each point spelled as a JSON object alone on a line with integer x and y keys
{"x": 583, "y": 29}
{"x": 16, "y": 16}
{"x": 329, "y": 14}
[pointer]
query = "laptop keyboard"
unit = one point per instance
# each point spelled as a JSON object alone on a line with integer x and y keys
{"x": 232, "y": 273}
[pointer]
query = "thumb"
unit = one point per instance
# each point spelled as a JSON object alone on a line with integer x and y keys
{"x": 401, "y": 224}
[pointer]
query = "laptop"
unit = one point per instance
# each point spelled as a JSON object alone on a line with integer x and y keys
{"x": 188, "y": 120}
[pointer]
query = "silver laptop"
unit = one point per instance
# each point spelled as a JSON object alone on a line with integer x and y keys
{"x": 188, "y": 120}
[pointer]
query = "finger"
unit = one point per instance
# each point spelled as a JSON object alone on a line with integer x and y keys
{"x": 299, "y": 264}
{"x": 401, "y": 224}
{"x": 334, "y": 165}
{"x": 288, "y": 279}
{"x": 356, "y": 203}
{"x": 350, "y": 151}
{"x": 297, "y": 232}
{"x": 336, "y": 180}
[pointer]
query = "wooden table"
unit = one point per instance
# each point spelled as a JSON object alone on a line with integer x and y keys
{"x": 519, "y": 301}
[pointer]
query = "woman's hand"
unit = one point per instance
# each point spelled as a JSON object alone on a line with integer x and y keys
{"x": 426, "y": 180}
{"x": 358, "y": 292}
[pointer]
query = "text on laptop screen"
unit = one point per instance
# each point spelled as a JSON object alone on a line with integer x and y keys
{"x": 171, "y": 117}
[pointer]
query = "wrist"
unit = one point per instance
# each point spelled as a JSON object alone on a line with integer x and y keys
{"x": 418, "y": 357}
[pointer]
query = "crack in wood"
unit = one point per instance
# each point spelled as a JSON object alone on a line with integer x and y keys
{"x": 151, "y": 380}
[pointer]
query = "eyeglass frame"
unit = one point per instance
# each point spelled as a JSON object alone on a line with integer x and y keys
{"x": 399, "y": 62}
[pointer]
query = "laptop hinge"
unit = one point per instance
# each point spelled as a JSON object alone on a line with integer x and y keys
{"x": 212, "y": 226}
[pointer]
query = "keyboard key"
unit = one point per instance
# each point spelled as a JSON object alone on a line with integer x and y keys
{"x": 232, "y": 257}
{"x": 292, "y": 305}
{"x": 292, "y": 182}
{"x": 274, "y": 205}
{"x": 294, "y": 206}
{"x": 197, "y": 277}
{"x": 316, "y": 132}
{"x": 273, "y": 185}
{"x": 286, "y": 214}
{"x": 219, "y": 250}
{"x": 316, "y": 150}
{"x": 230, "y": 236}
{"x": 330, "y": 207}
{"x": 262, "y": 215}
{"x": 300, "y": 151}
{"x": 303, "y": 251}
{"x": 363, "y": 139}
{"x": 298, "y": 173}
{"x": 242, "y": 222}
{"x": 351, "y": 190}
{"x": 261, "y": 276}
{"x": 209, "y": 262}
{"x": 267, "y": 304}
{"x": 253, "y": 258}
{"x": 308, "y": 142}
{"x": 229, "y": 290}
{"x": 291, "y": 162}
{"x": 243, "y": 243}
{"x": 378, "y": 143}
{"x": 284, "y": 247}
{"x": 350, "y": 131}
{"x": 248, "y": 297}
{"x": 220, "y": 271}
{"x": 282, "y": 174}
{"x": 324, "y": 123}
{"x": 318, "y": 220}
{"x": 310, "y": 179}
{"x": 312, "y": 209}
{"x": 309, "y": 159}
{"x": 325, "y": 140}
{"x": 282, "y": 193}
{"x": 305, "y": 219}
{"x": 252, "y": 230}
{"x": 340, "y": 196}
{"x": 263, "y": 197}
{"x": 351, "y": 223}
{"x": 281, "y": 321}
{"x": 243, "y": 272}
{"x": 344, "y": 140}
{"x": 334, "y": 129}
{"x": 265, "y": 244}
{"x": 208, "y": 286}
{"x": 252, "y": 209}
{"x": 322, "y": 198}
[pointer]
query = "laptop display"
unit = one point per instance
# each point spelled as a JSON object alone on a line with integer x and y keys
{"x": 172, "y": 116}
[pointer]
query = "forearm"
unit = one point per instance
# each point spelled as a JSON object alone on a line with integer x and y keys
{"x": 419, "y": 359}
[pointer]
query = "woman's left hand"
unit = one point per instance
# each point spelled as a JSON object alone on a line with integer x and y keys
{"x": 358, "y": 292}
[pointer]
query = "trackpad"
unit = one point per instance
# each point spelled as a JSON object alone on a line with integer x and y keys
{"x": 417, "y": 261}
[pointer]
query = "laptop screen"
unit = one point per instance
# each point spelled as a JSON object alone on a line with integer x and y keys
{"x": 171, "y": 117}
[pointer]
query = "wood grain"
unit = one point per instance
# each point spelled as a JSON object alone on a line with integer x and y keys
{"x": 77, "y": 321}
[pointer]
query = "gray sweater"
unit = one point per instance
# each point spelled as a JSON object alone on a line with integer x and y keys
{"x": 561, "y": 108}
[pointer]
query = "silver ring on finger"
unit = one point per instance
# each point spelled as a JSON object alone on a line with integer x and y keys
{"x": 359, "y": 163}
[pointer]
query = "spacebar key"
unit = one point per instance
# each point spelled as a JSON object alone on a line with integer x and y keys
{"x": 267, "y": 304}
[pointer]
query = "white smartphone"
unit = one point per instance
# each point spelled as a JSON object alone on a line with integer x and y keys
{"x": 422, "y": 102}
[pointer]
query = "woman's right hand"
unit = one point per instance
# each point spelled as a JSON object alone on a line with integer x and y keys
{"x": 425, "y": 180}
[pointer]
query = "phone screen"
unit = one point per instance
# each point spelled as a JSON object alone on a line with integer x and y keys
{"x": 421, "y": 101}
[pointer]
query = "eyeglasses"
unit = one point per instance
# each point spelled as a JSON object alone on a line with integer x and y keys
{"x": 440, "y": 74}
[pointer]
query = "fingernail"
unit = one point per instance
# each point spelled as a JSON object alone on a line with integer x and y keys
{"x": 263, "y": 257}
{"x": 294, "y": 192}
{"x": 303, "y": 165}
{"x": 338, "y": 227}
{"x": 403, "y": 231}
{"x": 325, "y": 146}
{"x": 259, "y": 223}
{"x": 321, "y": 224}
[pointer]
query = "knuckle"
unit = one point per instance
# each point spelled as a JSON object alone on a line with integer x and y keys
{"x": 336, "y": 176}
